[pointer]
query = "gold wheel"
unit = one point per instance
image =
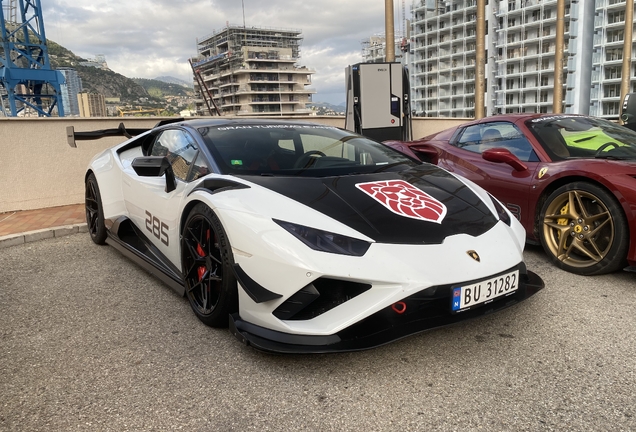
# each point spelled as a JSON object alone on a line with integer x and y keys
{"x": 579, "y": 229}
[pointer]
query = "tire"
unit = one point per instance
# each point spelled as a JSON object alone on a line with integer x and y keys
{"x": 94, "y": 211}
{"x": 206, "y": 262}
{"x": 584, "y": 229}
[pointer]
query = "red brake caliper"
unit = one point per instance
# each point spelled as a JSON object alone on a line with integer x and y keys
{"x": 201, "y": 269}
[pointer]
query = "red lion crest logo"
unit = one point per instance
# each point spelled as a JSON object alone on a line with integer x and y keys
{"x": 404, "y": 199}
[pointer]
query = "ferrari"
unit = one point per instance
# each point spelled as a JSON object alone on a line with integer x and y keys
{"x": 301, "y": 237}
{"x": 569, "y": 179}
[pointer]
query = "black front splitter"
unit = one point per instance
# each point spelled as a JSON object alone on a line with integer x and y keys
{"x": 427, "y": 310}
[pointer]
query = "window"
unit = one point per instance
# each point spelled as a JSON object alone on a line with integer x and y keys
{"x": 481, "y": 137}
{"x": 612, "y": 90}
{"x": 178, "y": 146}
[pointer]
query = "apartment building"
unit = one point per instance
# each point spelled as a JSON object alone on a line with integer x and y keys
{"x": 70, "y": 89}
{"x": 520, "y": 52}
{"x": 91, "y": 105}
{"x": 374, "y": 49}
{"x": 607, "y": 58}
{"x": 443, "y": 45}
{"x": 253, "y": 71}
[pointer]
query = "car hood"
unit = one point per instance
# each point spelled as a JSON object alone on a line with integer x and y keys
{"x": 422, "y": 205}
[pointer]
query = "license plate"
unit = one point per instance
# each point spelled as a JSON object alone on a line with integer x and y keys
{"x": 466, "y": 297}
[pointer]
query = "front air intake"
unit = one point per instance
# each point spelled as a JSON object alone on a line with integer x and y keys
{"x": 318, "y": 297}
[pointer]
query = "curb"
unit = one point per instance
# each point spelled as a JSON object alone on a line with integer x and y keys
{"x": 31, "y": 236}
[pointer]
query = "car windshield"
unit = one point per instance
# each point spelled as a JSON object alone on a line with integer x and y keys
{"x": 297, "y": 149}
{"x": 566, "y": 137}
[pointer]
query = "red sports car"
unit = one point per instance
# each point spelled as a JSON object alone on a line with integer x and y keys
{"x": 569, "y": 179}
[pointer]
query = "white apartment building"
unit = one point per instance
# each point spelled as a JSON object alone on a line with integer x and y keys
{"x": 253, "y": 71}
{"x": 520, "y": 52}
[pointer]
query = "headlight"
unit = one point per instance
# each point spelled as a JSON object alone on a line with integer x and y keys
{"x": 501, "y": 211}
{"x": 325, "y": 241}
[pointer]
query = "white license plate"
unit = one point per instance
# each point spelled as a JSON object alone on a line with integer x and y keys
{"x": 484, "y": 291}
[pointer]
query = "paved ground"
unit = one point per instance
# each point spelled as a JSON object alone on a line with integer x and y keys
{"x": 19, "y": 222}
{"x": 89, "y": 341}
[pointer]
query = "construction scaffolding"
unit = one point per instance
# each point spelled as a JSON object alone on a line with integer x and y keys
{"x": 243, "y": 71}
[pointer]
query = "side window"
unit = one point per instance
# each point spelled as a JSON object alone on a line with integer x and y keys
{"x": 179, "y": 147}
{"x": 481, "y": 137}
{"x": 199, "y": 169}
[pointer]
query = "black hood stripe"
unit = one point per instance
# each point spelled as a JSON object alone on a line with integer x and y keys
{"x": 340, "y": 199}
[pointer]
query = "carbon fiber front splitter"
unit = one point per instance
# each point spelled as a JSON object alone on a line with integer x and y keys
{"x": 422, "y": 311}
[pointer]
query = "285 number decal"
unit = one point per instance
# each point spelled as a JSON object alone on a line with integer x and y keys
{"x": 158, "y": 228}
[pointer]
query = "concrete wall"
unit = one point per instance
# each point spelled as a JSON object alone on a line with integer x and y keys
{"x": 38, "y": 168}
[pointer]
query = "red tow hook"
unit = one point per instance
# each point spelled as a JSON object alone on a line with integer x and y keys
{"x": 399, "y": 307}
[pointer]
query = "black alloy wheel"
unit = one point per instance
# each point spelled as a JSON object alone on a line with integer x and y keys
{"x": 207, "y": 261}
{"x": 584, "y": 229}
{"x": 94, "y": 211}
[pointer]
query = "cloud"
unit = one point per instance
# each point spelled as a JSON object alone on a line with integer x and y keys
{"x": 146, "y": 39}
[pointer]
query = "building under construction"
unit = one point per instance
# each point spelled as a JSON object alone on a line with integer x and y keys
{"x": 251, "y": 71}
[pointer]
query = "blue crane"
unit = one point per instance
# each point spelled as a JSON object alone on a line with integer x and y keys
{"x": 26, "y": 78}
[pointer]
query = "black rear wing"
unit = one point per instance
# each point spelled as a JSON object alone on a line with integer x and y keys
{"x": 72, "y": 136}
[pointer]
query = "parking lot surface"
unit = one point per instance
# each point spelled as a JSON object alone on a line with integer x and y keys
{"x": 90, "y": 341}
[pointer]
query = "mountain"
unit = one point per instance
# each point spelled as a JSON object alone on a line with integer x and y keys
{"x": 95, "y": 80}
{"x": 324, "y": 108}
{"x": 173, "y": 80}
{"x": 159, "y": 88}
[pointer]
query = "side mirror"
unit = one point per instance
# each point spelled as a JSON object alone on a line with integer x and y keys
{"x": 502, "y": 155}
{"x": 155, "y": 166}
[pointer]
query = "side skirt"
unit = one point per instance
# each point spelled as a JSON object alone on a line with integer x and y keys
{"x": 124, "y": 236}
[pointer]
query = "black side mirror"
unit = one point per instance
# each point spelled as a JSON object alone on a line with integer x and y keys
{"x": 155, "y": 166}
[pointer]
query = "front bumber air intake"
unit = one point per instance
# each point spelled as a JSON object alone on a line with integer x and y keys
{"x": 425, "y": 310}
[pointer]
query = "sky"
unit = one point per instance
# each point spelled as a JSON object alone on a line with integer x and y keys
{"x": 147, "y": 39}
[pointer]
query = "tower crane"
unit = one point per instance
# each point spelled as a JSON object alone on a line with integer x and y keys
{"x": 27, "y": 81}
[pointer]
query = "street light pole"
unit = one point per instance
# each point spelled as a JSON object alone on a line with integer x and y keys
{"x": 627, "y": 49}
{"x": 389, "y": 31}
{"x": 480, "y": 67}
{"x": 557, "y": 98}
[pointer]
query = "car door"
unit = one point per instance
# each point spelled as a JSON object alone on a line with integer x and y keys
{"x": 464, "y": 155}
{"x": 153, "y": 210}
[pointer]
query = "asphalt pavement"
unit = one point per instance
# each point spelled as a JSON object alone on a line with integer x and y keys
{"x": 91, "y": 342}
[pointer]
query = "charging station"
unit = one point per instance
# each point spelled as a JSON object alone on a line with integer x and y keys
{"x": 378, "y": 103}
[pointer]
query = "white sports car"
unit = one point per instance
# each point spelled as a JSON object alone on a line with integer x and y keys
{"x": 304, "y": 237}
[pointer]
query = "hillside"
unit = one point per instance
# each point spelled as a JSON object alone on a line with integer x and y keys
{"x": 109, "y": 83}
{"x": 173, "y": 80}
{"x": 161, "y": 89}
